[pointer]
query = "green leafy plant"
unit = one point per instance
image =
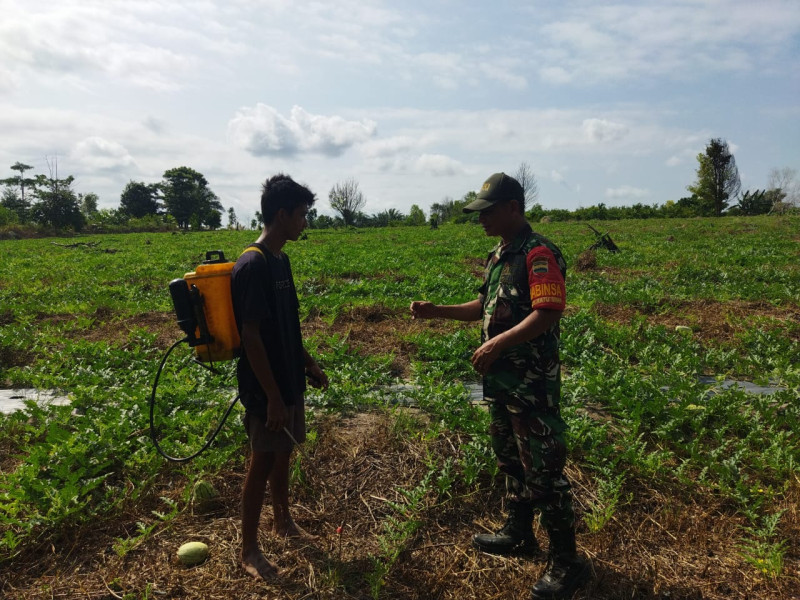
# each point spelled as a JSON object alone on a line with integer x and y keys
{"x": 762, "y": 550}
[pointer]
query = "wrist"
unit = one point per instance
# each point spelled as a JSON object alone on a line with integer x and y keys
{"x": 495, "y": 344}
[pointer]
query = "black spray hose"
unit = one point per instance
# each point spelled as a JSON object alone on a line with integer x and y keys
{"x": 153, "y": 435}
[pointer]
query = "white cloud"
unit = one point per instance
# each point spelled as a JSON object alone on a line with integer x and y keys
{"x": 98, "y": 153}
{"x": 438, "y": 165}
{"x": 381, "y": 148}
{"x": 164, "y": 80}
{"x": 404, "y": 161}
{"x": 75, "y": 42}
{"x": 591, "y": 43}
{"x": 262, "y": 131}
{"x": 555, "y": 74}
{"x": 8, "y": 80}
{"x": 602, "y": 130}
{"x": 154, "y": 124}
{"x": 674, "y": 161}
{"x": 505, "y": 71}
{"x": 626, "y": 192}
{"x": 448, "y": 70}
{"x": 150, "y": 67}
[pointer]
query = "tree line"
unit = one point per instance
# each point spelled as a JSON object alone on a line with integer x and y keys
{"x": 184, "y": 200}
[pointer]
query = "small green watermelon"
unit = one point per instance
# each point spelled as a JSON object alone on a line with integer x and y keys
{"x": 192, "y": 553}
{"x": 205, "y": 498}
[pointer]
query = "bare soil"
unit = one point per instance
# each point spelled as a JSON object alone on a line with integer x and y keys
{"x": 710, "y": 321}
{"x": 658, "y": 545}
{"x": 377, "y": 329}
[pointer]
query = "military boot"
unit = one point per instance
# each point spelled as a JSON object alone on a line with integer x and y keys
{"x": 515, "y": 537}
{"x": 566, "y": 572}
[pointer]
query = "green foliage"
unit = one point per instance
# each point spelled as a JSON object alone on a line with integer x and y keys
{"x": 123, "y": 546}
{"x": 139, "y": 199}
{"x": 7, "y": 216}
{"x": 189, "y": 200}
{"x": 759, "y": 202}
{"x": 88, "y": 204}
{"x": 398, "y": 531}
{"x": 450, "y": 211}
{"x": 57, "y": 204}
{"x": 415, "y": 216}
{"x": 717, "y": 178}
{"x": 659, "y": 423}
{"x": 609, "y": 493}
{"x": 17, "y": 202}
{"x": 14, "y": 209}
{"x": 762, "y": 549}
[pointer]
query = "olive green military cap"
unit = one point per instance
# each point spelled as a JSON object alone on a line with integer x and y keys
{"x": 495, "y": 189}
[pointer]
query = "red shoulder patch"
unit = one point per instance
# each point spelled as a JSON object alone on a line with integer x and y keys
{"x": 545, "y": 280}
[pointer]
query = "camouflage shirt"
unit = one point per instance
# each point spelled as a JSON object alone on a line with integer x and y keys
{"x": 520, "y": 277}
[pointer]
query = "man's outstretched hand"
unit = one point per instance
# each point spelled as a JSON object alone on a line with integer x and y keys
{"x": 420, "y": 309}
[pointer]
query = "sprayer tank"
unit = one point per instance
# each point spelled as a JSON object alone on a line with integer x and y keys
{"x": 213, "y": 280}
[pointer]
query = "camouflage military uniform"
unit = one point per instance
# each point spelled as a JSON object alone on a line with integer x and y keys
{"x": 523, "y": 385}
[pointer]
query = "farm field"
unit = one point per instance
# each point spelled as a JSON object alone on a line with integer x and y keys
{"x": 685, "y": 486}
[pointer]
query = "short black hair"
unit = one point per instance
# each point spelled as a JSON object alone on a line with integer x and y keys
{"x": 281, "y": 191}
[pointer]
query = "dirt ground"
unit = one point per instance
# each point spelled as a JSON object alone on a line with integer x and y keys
{"x": 653, "y": 548}
{"x": 378, "y": 329}
{"x": 710, "y": 321}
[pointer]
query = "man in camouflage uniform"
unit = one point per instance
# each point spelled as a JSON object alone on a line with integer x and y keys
{"x": 520, "y": 305}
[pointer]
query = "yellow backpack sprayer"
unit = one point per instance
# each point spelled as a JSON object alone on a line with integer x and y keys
{"x": 204, "y": 309}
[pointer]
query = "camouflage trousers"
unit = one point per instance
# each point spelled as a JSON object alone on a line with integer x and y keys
{"x": 532, "y": 454}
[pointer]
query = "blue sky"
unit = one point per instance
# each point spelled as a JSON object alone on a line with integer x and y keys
{"x": 418, "y": 101}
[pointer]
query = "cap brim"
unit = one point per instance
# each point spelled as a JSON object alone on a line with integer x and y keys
{"x": 477, "y": 205}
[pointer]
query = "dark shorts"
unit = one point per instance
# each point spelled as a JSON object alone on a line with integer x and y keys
{"x": 264, "y": 440}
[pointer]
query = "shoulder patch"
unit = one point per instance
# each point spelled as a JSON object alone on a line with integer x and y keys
{"x": 547, "y": 289}
{"x": 539, "y": 265}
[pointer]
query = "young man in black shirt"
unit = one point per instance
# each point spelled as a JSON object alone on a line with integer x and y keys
{"x": 273, "y": 366}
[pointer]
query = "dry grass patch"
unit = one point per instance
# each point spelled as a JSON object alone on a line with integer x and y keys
{"x": 660, "y": 544}
{"x": 709, "y": 319}
{"x": 378, "y": 330}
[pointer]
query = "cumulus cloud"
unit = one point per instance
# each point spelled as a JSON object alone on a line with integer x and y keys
{"x": 438, "y": 165}
{"x": 388, "y": 147}
{"x": 77, "y": 43}
{"x": 626, "y": 192}
{"x": 101, "y": 154}
{"x": 602, "y": 130}
{"x": 263, "y": 131}
{"x": 588, "y": 43}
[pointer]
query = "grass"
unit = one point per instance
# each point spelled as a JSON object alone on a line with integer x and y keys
{"x": 649, "y": 442}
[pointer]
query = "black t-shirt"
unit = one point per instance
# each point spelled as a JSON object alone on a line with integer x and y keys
{"x": 263, "y": 290}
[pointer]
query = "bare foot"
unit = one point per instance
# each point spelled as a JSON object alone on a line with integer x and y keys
{"x": 290, "y": 529}
{"x": 257, "y": 565}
